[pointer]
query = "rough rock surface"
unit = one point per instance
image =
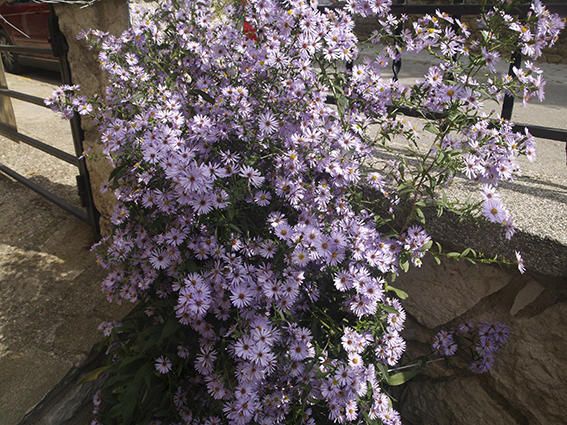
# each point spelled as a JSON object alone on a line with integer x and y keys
{"x": 533, "y": 376}
{"x": 441, "y": 293}
{"x": 528, "y": 384}
{"x": 111, "y": 16}
{"x": 448, "y": 402}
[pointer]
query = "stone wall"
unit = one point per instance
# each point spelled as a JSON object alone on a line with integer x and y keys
{"x": 107, "y": 15}
{"x": 528, "y": 384}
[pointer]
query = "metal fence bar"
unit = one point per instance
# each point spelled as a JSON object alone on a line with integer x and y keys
{"x": 457, "y": 9}
{"x": 59, "y": 49}
{"x": 465, "y": 9}
{"x": 23, "y": 96}
{"x": 397, "y": 62}
{"x": 549, "y": 133}
{"x": 77, "y": 212}
{"x": 23, "y": 50}
{"x": 16, "y": 136}
{"x": 556, "y": 134}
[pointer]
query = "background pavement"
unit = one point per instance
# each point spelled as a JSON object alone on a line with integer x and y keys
{"x": 538, "y": 199}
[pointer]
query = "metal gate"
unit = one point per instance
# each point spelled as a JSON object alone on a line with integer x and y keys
{"x": 88, "y": 212}
{"x": 458, "y": 10}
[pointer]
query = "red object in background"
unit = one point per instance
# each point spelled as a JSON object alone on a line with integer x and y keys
{"x": 33, "y": 20}
{"x": 249, "y": 31}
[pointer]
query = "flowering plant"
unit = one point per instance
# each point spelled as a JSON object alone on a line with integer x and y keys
{"x": 257, "y": 229}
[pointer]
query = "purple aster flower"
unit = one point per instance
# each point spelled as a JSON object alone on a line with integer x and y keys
{"x": 267, "y": 123}
{"x": 163, "y": 365}
{"x": 494, "y": 211}
{"x": 444, "y": 343}
{"x": 483, "y": 364}
{"x": 159, "y": 259}
{"x": 253, "y": 176}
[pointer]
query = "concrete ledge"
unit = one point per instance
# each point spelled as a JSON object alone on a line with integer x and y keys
{"x": 541, "y": 254}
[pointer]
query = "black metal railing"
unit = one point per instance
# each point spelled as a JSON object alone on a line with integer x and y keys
{"x": 59, "y": 50}
{"x": 459, "y": 10}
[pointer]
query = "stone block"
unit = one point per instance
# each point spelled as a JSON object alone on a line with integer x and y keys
{"x": 528, "y": 294}
{"x": 440, "y": 293}
{"x": 531, "y": 373}
{"x": 456, "y": 401}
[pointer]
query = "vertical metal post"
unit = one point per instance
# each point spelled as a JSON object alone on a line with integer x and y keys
{"x": 508, "y": 104}
{"x": 7, "y": 116}
{"x": 397, "y": 63}
{"x": 60, "y": 50}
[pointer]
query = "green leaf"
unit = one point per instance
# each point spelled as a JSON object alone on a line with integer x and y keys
{"x": 388, "y": 309}
{"x": 420, "y": 215}
{"x": 169, "y": 329}
{"x": 431, "y": 127}
{"x": 130, "y": 403}
{"x": 399, "y": 293}
{"x": 93, "y": 375}
{"x": 382, "y": 370}
{"x": 402, "y": 377}
{"x": 118, "y": 172}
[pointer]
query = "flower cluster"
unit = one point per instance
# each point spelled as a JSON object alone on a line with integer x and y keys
{"x": 58, "y": 102}
{"x": 254, "y": 228}
{"x": 481, "y": 340}
{"x": 488, "y": 340}
{"x": 444, "y": 343}
{"x": 532, "y": 41}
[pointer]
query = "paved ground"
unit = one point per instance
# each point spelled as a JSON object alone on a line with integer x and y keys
{"x": 50, "y": 303}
